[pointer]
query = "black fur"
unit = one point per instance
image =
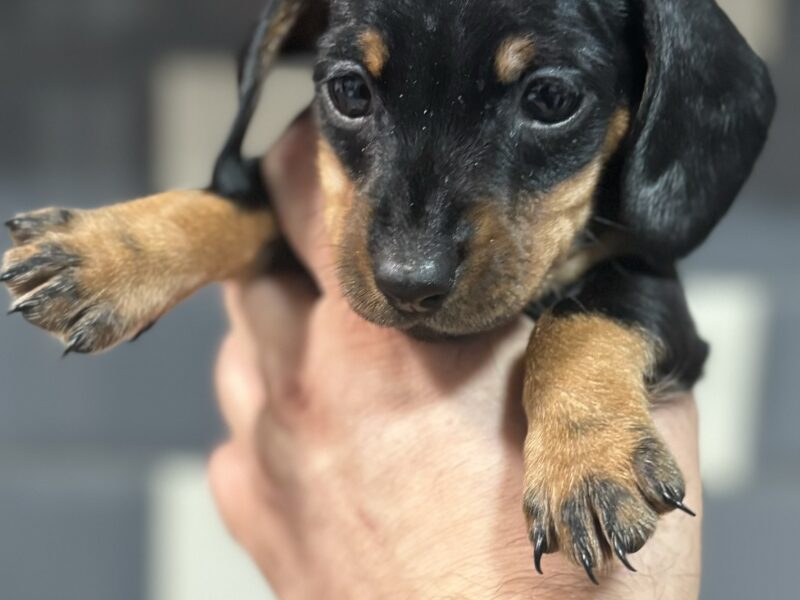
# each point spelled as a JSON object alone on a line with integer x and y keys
{"x": 702, "y": 122}
{"x": 638, "y": 294}
{"x": 234, "y": 176}
{"x": 446, "y": 133}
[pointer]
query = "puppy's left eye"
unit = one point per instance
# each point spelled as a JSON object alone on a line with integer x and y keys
{"x": 351, "y": 95}
{"x": 550, "y": 100}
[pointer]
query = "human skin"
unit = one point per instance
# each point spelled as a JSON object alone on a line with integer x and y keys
{"x": 365, "y": 464}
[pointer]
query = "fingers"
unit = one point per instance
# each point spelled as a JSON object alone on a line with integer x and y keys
{"x": 269, "y": 316}
{"x": 261, "y": 358}
{"x": 241, "y": 392}
{"x": 290, "y": 169}
{"x": 234, "y": 491}
{"x": 239, "y": 492}
{"x": 272, "y": 314}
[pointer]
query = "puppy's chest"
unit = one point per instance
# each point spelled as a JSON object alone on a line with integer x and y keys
{"x": 567, "y": 274}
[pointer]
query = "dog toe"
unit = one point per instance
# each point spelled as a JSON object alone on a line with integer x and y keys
{"x": 29, "y": 226}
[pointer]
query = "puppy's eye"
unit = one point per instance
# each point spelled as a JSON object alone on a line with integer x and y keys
{"x": 550, "y": 100}
{"x": 351, "y": 95}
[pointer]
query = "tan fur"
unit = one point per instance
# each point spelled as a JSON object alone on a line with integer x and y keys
{"x": 584, "y": 388}
{"x": 184, "y": 238}
{"x": 511, "y": 254}
{"x": 337, "y": 188}
{"x": 347, "y": 222}
{"x": 582, "y": 259}
{"x": 575, "y": 261}
{"x": 138, "y": 259}
{"x": 617, "y": 130}
{"x": 513, "y": 58}
{"x": 375, "y": 52}
{"x": 586, "y": 399}
{"x": 520, "y": 251}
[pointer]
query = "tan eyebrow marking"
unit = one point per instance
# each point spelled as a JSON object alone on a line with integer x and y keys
{"x": 513, "y": 57}
{"x": 376, "y": 53}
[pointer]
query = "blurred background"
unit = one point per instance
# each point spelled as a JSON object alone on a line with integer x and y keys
{"x": 102, "y": 482}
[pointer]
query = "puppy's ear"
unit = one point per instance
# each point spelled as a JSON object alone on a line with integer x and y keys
{"x": 233, "y": 176}
{"x": 702, "y": 122}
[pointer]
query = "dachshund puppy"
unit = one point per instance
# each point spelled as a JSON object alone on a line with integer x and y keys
{"x": 479, "y": 159}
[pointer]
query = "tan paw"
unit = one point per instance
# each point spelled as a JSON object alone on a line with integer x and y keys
{"x": 591, "y": 512}
{"x": 77, "y": 274}
{"x": 95, "y": 278}
{"x": 597, "y": 472}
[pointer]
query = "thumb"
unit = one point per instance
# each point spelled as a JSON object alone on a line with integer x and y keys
{"x": 290, "y": 168}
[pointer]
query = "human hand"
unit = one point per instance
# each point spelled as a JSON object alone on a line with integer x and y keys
{"x": 365, "y": 464}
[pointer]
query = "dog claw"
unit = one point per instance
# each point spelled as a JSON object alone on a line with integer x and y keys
{"x": 21, "y": 307}
{"x": 675, "y": 499}
{"x": 681, "y": 506}
{"x": 15, "y": 272}
{"x": 588, "y": 565}
{"x": 74, "y": 346}
{"x": 71, "y": 345}
{"x": 540, "y": 547}
{"x": 622, "y": 556}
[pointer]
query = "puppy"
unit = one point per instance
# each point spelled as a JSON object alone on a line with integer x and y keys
{"x": 479, "y": 159}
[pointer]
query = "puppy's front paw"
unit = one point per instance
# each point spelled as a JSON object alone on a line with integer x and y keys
{"x": 592, "y": 495}
{"x": 80, "y": 275}
{"x": 95, "y": 278}
{"x": 597, "y": 472}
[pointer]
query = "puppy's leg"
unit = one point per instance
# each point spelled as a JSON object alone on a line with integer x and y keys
{"x": 597, "y": 472}
{"x": 97, "y": 277}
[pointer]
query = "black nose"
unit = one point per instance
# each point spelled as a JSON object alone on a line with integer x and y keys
{"x": 418, "y": 286}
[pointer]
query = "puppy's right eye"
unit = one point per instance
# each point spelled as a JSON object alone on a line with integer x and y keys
{"x": 351, "y": 95}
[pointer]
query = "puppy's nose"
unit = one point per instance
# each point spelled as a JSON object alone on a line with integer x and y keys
{"x": 417, "y": 286}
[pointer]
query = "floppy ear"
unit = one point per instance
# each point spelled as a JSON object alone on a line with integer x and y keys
{"x": 233, "y": 176}
{"x": 702, "y": 122}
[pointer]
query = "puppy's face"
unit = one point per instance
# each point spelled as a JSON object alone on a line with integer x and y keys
{"x": 462, "y": 148}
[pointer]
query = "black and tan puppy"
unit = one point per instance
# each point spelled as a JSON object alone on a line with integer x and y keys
{"x": 480, "y": 159}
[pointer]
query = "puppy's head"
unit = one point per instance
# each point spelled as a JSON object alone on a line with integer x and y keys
{"x": 467, "y": 145}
